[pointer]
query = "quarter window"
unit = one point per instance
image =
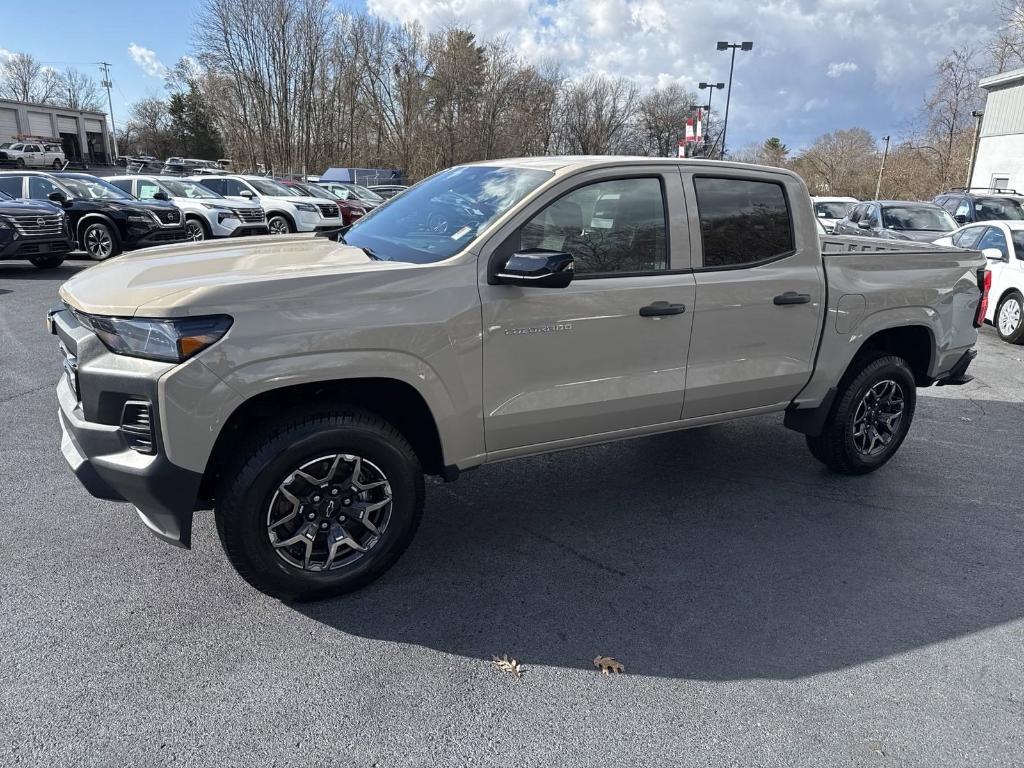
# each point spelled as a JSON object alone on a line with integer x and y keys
{"x": 11, "y": 185}
{"x": 742, "y": 221}
{"x": 608, "y": 227}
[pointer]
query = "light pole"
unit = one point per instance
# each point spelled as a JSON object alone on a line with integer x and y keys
{"x": 885, "y": 154}
{"x": 110, "y": 104}
{"x": 724, "y": 46}
{"x": 711, "y": 92}
{"x": 977, "y": 115}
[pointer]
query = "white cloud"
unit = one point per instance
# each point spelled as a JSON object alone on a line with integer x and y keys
{"x": 5, "y": 55}
{"x": 147, "y": 60}
{"x": 840, "y": 68}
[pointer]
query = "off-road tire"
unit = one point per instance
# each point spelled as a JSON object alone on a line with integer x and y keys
{"x": 835, "y": 447}
{"x": 265, "y": 458}
{"x": 50, "y": 261}
{"x": 1015, "y": 336}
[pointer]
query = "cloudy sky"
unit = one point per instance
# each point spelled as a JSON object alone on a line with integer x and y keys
{"x": 815, "y": 67}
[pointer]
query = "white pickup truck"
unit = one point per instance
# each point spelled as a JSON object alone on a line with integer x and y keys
{"x": 302, "y": 386}
{"x": 34, "y": 154}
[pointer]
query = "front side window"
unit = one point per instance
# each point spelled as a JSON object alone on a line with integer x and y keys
{"x": 40, "y": 187}
{"x": 147, "y": 189}
{"x": 998, "y": 208}
{"x": 443, "y": 214}
{"x": 11, "y": 185}
{"x": 18, "y": 147}
{"x": 951, "y": 204}
{"x": 608, "y": 227}
{"x": 742, "y": 221}
{"x": 967, "y": 238}
{"x": 918, "y": 218}
{"x": 994, "y": 238}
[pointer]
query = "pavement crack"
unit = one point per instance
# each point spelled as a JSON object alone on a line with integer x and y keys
{"x": 585, "y": 558}
{"x": 22, "y": 394}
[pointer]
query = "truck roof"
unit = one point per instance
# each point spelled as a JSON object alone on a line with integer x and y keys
{"x": 559, "y": 163}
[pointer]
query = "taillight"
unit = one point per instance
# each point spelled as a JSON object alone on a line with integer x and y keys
{"x": 985, "y": 284}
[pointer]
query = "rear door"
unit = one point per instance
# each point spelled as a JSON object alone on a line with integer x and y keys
{"x": 760, "y": 292}
{"x": 566, "y": 363}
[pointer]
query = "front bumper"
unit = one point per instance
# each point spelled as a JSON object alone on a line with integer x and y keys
{"x": 250, "y": 229}
{"x": 97, "y": 449}
{"x": 161, "y": 236}
{"x": 27, "y": 247}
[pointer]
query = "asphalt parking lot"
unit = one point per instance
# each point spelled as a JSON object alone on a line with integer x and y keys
{"x": 767, "y": 612}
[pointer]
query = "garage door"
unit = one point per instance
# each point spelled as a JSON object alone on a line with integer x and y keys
{"x": 66, "y": 124}
{"x": 8, "y": 124}
{"x": 93, "y": 126}
{"x": 39, "y": 124}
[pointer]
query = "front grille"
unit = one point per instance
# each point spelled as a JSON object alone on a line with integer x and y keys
{"x": 137, "y": 426}
{"x": 45, "y": 224}
{"x": 251, "y": 215}
{"x": 169, "y": 217}
{"x": 328, "y": 211}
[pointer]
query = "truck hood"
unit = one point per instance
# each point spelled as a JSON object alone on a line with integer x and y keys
{"x": 121, "y": 285}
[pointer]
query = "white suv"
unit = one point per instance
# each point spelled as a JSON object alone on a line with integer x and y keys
{"x": 207, "y": 214}
{"x": 286, "y": 211}
{"x": 34, "y": 154}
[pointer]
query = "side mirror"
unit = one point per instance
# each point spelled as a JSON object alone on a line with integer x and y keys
{"x": 864, "y": 224}
{"x": 960, "y": 218}
{"x": 993, "y": 254}
{"x": 59, "y": 198}
{"x": 246, "y": 194}
{"x": 537, "y": 269}
{"x": 161, "y": 195}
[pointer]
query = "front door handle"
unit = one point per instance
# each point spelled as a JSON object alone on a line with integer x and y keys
{"x": 792, "y": 297}
{"x": 662, "y": 308}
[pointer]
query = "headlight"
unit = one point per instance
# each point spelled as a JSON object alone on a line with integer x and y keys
{"x": 4, "y": 224}
{"x": 307, "y": 207}
{"x": 172, "y": 341}
{"x": 215, "y": 207}
{"x": 143, "y": 217}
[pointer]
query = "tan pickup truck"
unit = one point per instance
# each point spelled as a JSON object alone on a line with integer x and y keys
{"x": 301, "y": 386}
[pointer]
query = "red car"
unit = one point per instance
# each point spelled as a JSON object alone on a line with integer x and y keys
{"x": 350, "y": 210}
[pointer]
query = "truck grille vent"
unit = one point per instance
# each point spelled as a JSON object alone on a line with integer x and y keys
{"x": 137, "y": 426}
{"x": 250, "y": 215}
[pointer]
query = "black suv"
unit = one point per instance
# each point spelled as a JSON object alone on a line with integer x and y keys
{"x": 970, "y": 204}
{"x": 102, "y": 218}
{"x": 35, "y": 231}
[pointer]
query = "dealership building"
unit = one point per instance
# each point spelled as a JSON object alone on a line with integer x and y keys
{"x": 1000, "y": 158}
{"x": 83, "y": 134}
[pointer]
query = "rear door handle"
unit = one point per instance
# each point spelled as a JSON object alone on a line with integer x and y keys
{"x": 662, "y": 308}
{"x": 792, "y": 297}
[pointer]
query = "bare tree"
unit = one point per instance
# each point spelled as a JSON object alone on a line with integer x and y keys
{"x": 661, "y": 120}
{"x": 1006, "y": 47}
{"x": 596, "y": 114}
{"x": 78, "y": 91}
{"x": 23, "y": 78}
{"x": 840, "y": 163}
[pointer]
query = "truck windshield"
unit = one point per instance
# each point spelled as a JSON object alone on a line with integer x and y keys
{"x": 917, "y": 217}
{"x": 440, "y": 216}
{"x": 832, "y": 210}
{"x": 93, "y": 189}
{"x": 1004, "y": 208}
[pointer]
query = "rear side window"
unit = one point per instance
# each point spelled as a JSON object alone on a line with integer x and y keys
{"x": 217, "y": 185}
{"x": 742, "y": 221}
{"x": 123, "y": 184}
{"x": 11, "y": 185}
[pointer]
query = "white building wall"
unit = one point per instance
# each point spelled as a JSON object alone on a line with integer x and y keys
{"x": 1000, "y": 157}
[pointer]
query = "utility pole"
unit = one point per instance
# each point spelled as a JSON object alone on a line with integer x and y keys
{"x": 881, "y": 168}
{"x": 722, "y": 46}
{"x": 977, "y": 114}
{"x": 110, "y": 105}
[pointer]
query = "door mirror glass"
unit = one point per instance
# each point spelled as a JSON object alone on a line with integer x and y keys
{"x": 537, "y": 269}
{"x": 57, "y": 197}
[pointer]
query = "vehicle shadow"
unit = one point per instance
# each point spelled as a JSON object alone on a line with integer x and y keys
{"x": 25, "y": 271}
{"x": 720, "y": 553}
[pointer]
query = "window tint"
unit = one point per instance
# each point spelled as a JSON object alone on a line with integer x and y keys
{"x": 1017, "y": 235}
{"x": 39, "y": 187}
{"x": 967, "y": 238}
{"x": 1002, "y": 208}
{"x": 742, "y": 221}
{"x": 217, "y": 185}
{"x": 610, "y": 226}
{"x": 232, "y": 187}
{"x": 994, "y": 238}
{"x": 855, "y": 214}
{"x": 31, "y": 148}
{"x": 125, "y": 184}
{"x": 950, "y": 203}
{"x": 873, "y": 217}
{"x": 11, "y": 185}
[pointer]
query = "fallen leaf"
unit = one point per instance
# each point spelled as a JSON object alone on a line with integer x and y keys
{"x": 505, "y": 664}
{"x": 608, "y": 665}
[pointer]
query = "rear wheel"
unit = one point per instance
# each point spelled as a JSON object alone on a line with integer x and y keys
{"x": 1010, "y": 318}
{"x": 57, "y": 165}
{"x": 870, "y": 418}
{"x": 321, "y": 505}
{"x": 278, "y": 225}
{"x": 19, "y": 162}
{"x": 47, "y": 262}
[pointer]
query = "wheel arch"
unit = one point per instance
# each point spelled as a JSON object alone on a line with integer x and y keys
{"x": 284, "y": 215}
{"x": 202, "y": 222}
{"x": 94, "y": 217}
{"x": 396, "y": 401}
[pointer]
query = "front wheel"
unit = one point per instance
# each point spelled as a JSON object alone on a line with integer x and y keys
{"x": 320, "y": 505}
{"x": 870, "y": 418}
{"x": 1010, "y": 318}
{"x": 195, "y": 230}
{"x": 278, "y": 225}
{"x": 99, "y": 242}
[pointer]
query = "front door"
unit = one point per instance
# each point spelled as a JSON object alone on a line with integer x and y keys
{"x": 567, "y": 363}
{"x": 760, "y": 294}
